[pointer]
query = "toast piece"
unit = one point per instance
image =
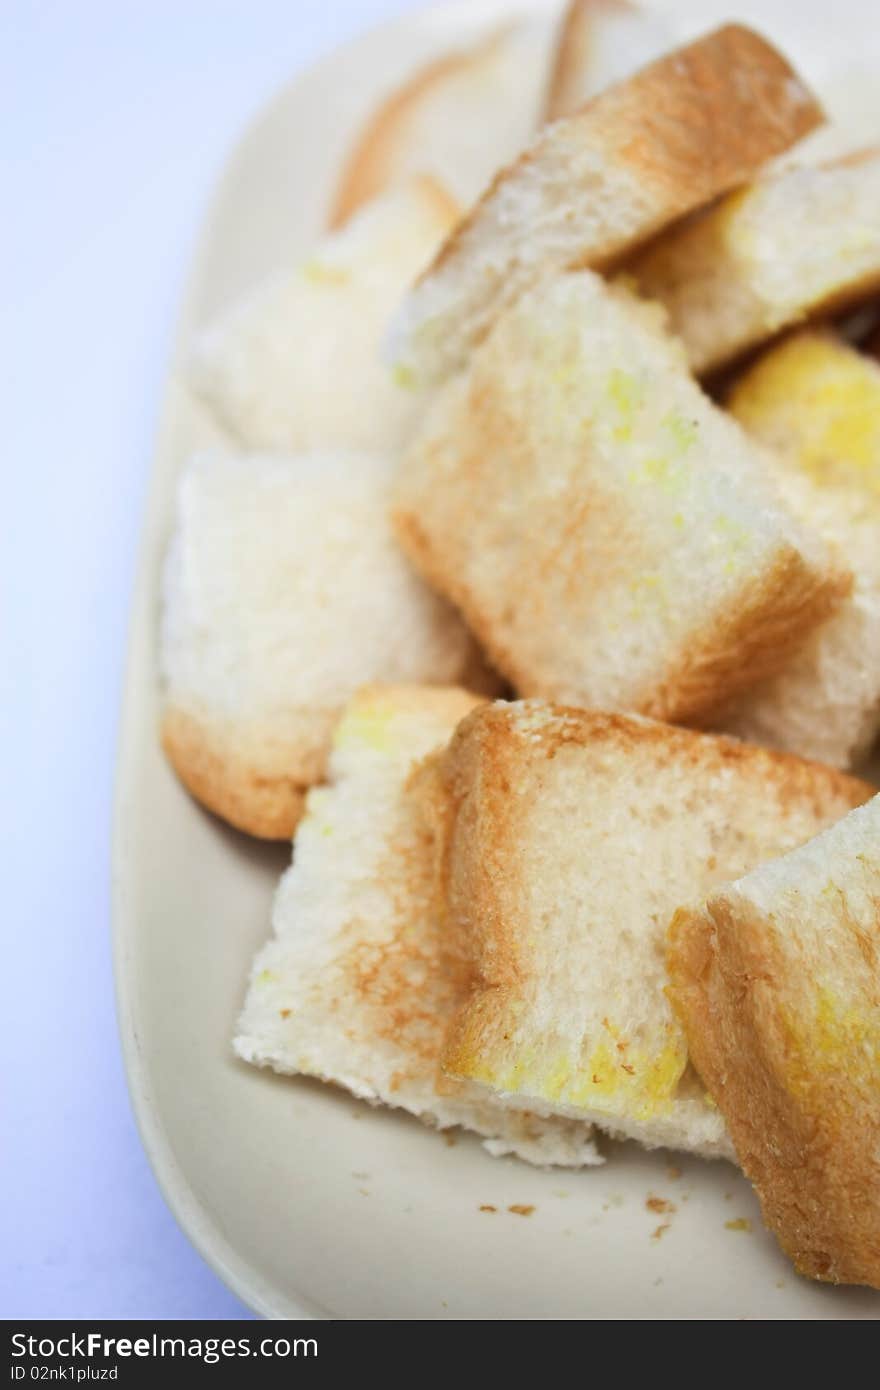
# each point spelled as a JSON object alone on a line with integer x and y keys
{"x": 359, "y": 981}
{"x": 459, "y": 118}
{"x": 816, "y": 402}
{"x": 776, "y": 981}
{"x": 610, "y": 535}
{"x": 593, "y": 186}
{"x": 295, "y": 364}
{"x": 803, "y": 242}
{"x": 601, "y": 42}
{"x": 284, "y": 591}
{"x": 569, "y": 839}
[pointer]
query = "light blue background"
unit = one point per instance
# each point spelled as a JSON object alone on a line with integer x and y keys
{"x": 115, "y": 118}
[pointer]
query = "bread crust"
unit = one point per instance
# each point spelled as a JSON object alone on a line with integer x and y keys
{"x": 770, "y": 623}
{"x": 369, "y": 169}
{"x": 573, "y": 52}
{"x": 682, "y": 126}
{"x": 808, "y": 1136}
{"x": 223, "y": 779}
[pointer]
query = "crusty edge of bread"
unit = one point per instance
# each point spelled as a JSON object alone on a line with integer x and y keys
{"x": 573, "y": 51}
{"x": 685, "y": 176}
{"x": 225, "y": 783}
{"x": 809, "y": 1170}
{"x": 368, "y": 170}
{"x": 773, "y": 617}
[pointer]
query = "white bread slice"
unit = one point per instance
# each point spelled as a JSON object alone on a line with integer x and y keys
{"x": 601, "y": 42}
{"x": 359, "y": 982}
{"x": 459, "y": 118}
{"x": 816, "y": 402}
{"x": 569, "y": 839}
{"x": 284, "y": 591}
{"x": 802, "y": 242}
{"x": 776, "y": 982}
{"x": 611, "y": 536}
{"x": 295, "y": 364}
{"x": 695, "y": 124}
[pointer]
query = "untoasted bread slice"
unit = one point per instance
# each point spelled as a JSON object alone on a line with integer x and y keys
{"x": 295, "y": 363}
{"x": 593, "y": 186}
{"x": 359, "y": 982}
{"x": 284, "y": 591}
{"x": 459, "y": 118}
{"x": 569, "y": 839}
{"x": 776, "y": 981}
{"x": 610, "y": 535}
{"x": 601, "y": 42}
{"x": 816, "y": 402}
{"x": 803, "y": 242}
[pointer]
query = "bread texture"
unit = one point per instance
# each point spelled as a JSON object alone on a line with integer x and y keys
{"x": 295, "y": 364}
{"x": 569, "y": 839}
{"x": 601, "y": 42}
{"x": 284, "y": 591}
{"x": 459, "y": 118}
{"x": 816, "y": 402}
{"x": 803, "y": 242}
{"x": 359, "y": 981}
{"x": 593, "y": 186}
{"x": 776, "y": 982}
{"x": 611, "y": 536}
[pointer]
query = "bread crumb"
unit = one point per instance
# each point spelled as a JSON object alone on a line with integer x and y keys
{"x": 363, "y": 1191}
{"x": 487, "y": 1206}
{"x": 660, "y": 1231}
{"x": 740, "y": 1223}
{"x": 521, "y": 1209}
{"x": 673, "y": 1173}
{"x": 284, "y": 1013}
{"x": 659, "y": 1204}
{"x": 450, "y": 1140}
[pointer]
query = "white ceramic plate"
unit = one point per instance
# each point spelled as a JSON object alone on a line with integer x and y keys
{"x": 305, "y": 1202}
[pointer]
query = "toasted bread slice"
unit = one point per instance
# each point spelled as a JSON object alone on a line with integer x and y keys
{"x": 601, "y": 42}
{"x": 803, "y": 242}
{"x": 295, "y": 364}
{"x": 459, "y": 118}
{"x": 776, "y": 982}
{"x": 284, "y": 591}
{"x": 593, "y": 186}
{"x": 610, "y": 535}
{"x": 816, "y": 402}
{"x": 569, "y": 839}
{"x": 359, "y": 982}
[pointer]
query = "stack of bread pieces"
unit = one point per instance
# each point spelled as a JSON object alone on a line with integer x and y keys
{"x": 536, "y": 594}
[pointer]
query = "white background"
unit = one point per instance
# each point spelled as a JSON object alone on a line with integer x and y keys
{"x": 115, "y": 119}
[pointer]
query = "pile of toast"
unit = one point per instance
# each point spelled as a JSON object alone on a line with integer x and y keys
{"x": 537, "y": 596}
